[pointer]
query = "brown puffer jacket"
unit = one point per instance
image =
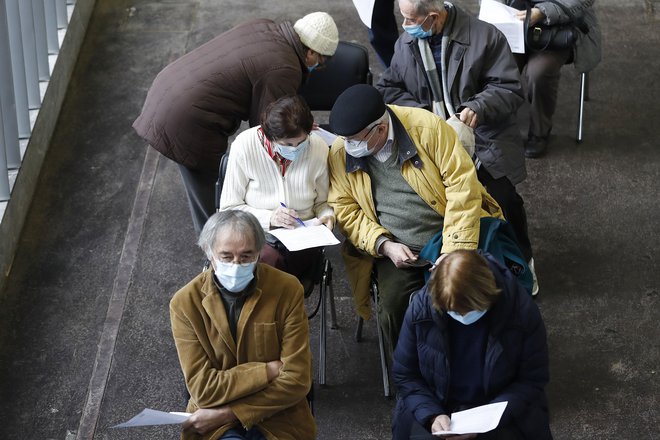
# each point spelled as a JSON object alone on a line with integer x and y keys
{"x": 199, "y": 100}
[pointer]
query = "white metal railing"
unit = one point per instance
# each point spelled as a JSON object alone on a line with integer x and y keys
{"x": 31, "y": 33}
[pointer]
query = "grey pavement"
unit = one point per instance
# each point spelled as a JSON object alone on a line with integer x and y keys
{"x": 109, "y": 240}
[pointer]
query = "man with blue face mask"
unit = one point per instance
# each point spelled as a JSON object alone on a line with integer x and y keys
{"x": 242, "y": 338}
{"x": 462, "y": 69}
{"x": 398, "y": 175}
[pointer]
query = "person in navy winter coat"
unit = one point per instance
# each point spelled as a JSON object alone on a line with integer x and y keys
{"x": 470, "y": 337}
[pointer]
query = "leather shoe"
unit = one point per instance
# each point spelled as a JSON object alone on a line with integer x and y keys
{"x": 536, "y": 146}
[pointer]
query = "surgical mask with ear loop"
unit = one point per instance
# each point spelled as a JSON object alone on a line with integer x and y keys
{"x": 291, "y": 153}
{"x": 469, "y": 317}
{"x": 359, "y": 148}
{"x": 310, "y": 69}
{"x": 234, "y": 277}
{"x": 417, "y": 31}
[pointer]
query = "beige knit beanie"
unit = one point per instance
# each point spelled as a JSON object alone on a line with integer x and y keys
{"x": 318, "y": 31}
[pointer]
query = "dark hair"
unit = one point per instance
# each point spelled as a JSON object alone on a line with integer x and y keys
{"x": 287, "y": 117}
{"x": 463, "y": 282}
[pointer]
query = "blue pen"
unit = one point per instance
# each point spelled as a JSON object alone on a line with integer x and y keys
{"x": 297, "y": 218}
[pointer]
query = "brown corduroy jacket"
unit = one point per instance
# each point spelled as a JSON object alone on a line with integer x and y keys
{"x": 220, "y": 371}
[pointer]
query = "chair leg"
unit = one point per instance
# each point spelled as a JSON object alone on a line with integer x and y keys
{"x": 583, "y": 97}
{"x": 333, "y": 310}
{"x": 322, "y": 332}
{"x": 381, "y": 347}
{"x": 358, "y": 330}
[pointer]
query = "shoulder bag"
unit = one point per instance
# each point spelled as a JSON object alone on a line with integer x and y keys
{"x": 561, "y": 36}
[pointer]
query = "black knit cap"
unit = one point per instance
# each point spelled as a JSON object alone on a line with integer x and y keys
{"x": 356, "y": 108}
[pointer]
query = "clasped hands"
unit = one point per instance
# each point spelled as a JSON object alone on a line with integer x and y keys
{"x": 205, "y": 420}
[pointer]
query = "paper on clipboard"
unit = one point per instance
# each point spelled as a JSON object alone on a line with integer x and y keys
{"x": 504, "y": 18}
{"x": 310, "y": 236}
{"x": 326, "y": 135}
{"x": 152, "y": 417}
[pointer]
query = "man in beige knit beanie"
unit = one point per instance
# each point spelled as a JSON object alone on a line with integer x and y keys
{"x": 197, "y": 102}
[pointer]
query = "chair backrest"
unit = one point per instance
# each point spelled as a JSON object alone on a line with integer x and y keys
{"x": 348, "y": 66}
{"x": 222, "y": 170}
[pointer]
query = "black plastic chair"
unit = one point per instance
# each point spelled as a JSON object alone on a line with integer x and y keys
{"x": 348, "y": 66}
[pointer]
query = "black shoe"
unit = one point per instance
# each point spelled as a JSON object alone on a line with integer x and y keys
{"x": 536, "y": 146}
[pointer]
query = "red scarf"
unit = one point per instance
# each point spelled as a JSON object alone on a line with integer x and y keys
{"x": 281, "y": 162}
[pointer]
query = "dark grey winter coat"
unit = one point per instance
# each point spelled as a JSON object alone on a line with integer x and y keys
{"x": 482, "y": 75}
{"x": 200, "y": 99}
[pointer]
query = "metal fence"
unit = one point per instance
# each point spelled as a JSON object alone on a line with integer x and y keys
{"x": 31, "y": 32}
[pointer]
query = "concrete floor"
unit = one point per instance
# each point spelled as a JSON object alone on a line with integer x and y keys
{"x": 109, "y": 240}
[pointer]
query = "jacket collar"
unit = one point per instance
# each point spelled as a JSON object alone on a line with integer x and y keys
{"x": 215, "y": 309}
{"x": 406, "y": 148}
{"x": 294, "y": 40}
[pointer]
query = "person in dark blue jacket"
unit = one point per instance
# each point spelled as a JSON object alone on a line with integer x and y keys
{"x": 470, "y": 337}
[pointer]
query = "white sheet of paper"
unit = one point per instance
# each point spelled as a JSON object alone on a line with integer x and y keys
{"x": 326, "y": 135}
{"x": 305, "y": 237}
{"x": 504, "y": 18}
{"x": 475, "y": 420}
{"x": 151, "y": 417}
{"x": 365, "y": 10}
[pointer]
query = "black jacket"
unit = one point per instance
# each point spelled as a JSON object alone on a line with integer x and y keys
{"x": 515, "y": 368}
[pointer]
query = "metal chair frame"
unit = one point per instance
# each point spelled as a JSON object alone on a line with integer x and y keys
{"x": 584, "y": 96}
{"x": 385, "y": 371}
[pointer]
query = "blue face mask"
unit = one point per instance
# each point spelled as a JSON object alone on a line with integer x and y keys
{"x": 468, "y": 318}
{"x": 291, "y": 153}
{"x": 417, "y": 31}
{"x": 310, "y": 69}
{"x": 234, "y": 277}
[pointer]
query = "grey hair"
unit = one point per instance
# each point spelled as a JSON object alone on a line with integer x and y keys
{"x": 239, "y": 222}
{"x": 424, "y": 7}
{"x": 382, "y": 120}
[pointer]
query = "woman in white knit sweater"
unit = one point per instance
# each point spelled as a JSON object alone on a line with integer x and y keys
{"x": 278, "y": 171}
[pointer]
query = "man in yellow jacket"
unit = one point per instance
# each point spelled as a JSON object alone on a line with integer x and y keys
{"x": 241, "y": 333}
{"x": 398, "y": 175}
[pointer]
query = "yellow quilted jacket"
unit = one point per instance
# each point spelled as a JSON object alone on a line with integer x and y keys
{"x": 437, "y": 167}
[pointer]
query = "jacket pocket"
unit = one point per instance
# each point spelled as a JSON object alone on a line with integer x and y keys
{"x": 266, "y": 341}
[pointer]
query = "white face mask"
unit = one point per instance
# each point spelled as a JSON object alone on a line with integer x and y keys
{"x": 359, "y": 148}
{"x": 468, "y": 318}
{"x": 234, "y": 277}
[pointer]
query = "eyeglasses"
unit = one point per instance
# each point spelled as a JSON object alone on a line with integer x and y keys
{"x": 242, "y": 259}
{"x": 413, "y": 21}
{"x": 356, "y": 143}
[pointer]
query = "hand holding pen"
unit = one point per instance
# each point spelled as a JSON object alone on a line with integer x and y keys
{"x": 284, "y": 217}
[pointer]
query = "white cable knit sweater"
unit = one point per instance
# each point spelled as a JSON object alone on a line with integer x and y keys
{"x": 253, "y": 181}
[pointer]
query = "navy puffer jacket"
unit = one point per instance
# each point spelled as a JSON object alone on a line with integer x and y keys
{"x": 515, "y": 368}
